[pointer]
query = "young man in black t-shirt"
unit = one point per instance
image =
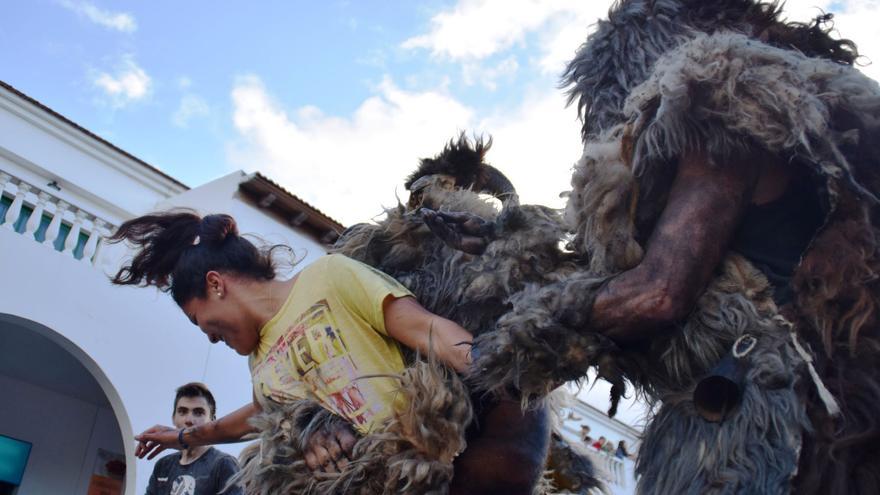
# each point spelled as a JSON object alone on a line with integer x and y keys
{"x": 200, "y": 470}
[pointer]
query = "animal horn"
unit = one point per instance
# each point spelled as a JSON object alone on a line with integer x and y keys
{"x": 496, "y": 183}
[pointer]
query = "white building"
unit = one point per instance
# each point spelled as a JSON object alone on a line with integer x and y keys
{"x": 84, "y": 365}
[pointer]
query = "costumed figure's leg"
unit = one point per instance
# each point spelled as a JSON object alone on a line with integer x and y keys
{"x": 738, "y": 429}
{"x": 506, "y": 451}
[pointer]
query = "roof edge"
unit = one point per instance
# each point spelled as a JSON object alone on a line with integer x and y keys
{"x": 267, "y": 193}
{"x": 91, "y": 134}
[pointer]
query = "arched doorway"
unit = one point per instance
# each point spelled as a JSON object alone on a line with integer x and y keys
{"x": 60, "y": 413}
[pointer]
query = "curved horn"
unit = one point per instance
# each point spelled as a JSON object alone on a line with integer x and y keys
{"x": 493, "y": 182}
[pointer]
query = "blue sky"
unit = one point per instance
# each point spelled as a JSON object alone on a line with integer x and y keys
{"x": 157, "y": 79}
{"x": 336, "y": 100}
{"x": 308, "y": 53}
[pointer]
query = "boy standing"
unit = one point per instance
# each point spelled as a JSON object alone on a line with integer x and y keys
{"x": 201, "y": 470}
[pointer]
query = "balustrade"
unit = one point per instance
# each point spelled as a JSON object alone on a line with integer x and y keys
{"x": 47, "y": 219}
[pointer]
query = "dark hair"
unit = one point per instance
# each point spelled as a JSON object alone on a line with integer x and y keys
{"x": 765, "y": 21}
{"x": 192, "y": 390}
{"x": 177, "y": 248}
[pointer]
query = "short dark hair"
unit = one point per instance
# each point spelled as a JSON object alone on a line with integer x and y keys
{"x": 195, "y": 389}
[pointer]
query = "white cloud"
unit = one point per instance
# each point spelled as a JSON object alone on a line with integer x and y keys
{"x": 130, "y": 83}
{"x": 564, "y": 34}
{"x": 184, "y": 82}
{"x": 119, "y": 21}
{"x": 350, "y": 166}
{"x": 480, "y": 28}
{"x": 477, "y": 29}
{"x": 191, "y": 106}
{"x": 346, "y": 166}
{"x": 536, "y": 145}
{"x": 475, "y": 72}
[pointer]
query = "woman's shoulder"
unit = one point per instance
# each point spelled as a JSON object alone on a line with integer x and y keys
{"x": 340, "y": 262}
{"x": 328, "y": 261}
{"x": 330, "y": 266}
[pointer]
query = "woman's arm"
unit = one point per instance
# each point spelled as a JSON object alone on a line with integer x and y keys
{"x": 692, "y": 235}
{"x": 228, "y": 429}
{"x": 417, "y": 328}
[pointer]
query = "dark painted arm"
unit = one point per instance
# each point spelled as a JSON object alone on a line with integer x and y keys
{"x": 691, "y": 237}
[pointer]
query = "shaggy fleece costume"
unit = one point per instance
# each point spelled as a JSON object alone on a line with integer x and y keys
{"x": 473, "y": 290}
{"x": 660, "y": 78}
{"x": 413, "y": 453}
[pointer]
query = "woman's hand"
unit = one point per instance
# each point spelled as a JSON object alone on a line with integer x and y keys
{"x": 328, "y": 450}
{"x": 228, "y": 429}
{"x": 154, "y": 440}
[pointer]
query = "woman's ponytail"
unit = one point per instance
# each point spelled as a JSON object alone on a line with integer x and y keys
{"x": 175, "y": 249}
{"x": 160, "y": 240}
{"x": 215, "y": 229}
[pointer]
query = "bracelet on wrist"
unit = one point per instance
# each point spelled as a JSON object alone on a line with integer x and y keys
{"x": 183, "y": 445}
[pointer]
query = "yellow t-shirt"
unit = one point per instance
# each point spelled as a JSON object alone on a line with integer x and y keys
{"x": 329, "y": 333}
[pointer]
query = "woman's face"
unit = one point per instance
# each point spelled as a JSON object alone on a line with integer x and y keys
{"x": 220, "y": 317}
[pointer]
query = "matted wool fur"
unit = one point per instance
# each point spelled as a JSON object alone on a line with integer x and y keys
{"x": 730, "y": 93}
{"x": 569, "y": 470}
{"x": 755, "y": 450}
{"x": 658, "y": 79}
{"x": 471, "y": 290}
{"x": 412, "y": 453}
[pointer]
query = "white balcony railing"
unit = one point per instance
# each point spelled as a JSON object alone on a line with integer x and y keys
{"x": 35, "y": 212}
{"x": 608, "y": 467}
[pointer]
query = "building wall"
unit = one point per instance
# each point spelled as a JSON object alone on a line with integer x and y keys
{"x": 66, "y": 434}
{"x": 221, "y": 196}
{"x": 43, "y": 148}
{"x": 138, "y": 338}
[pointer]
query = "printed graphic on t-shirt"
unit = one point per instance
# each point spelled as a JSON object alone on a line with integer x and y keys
{"x": 183, "y": 485}
{"x": 311, "y": 360}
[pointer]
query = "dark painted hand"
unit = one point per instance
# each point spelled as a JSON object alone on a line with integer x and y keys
{"x": 460, "y": 230}
{"x": 328, "y": 450}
